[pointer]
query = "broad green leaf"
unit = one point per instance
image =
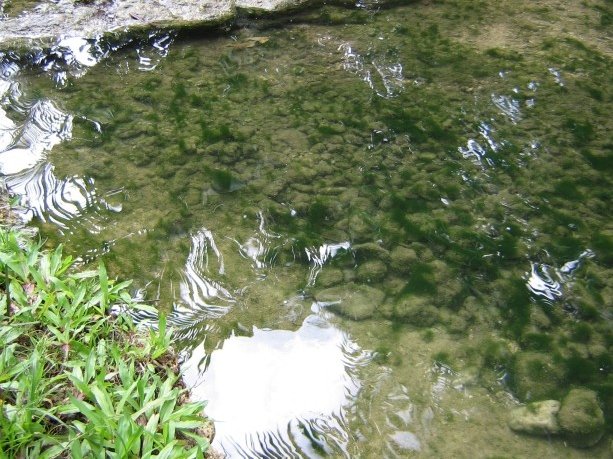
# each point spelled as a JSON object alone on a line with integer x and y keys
{"x": 167, "y": 451}
{"x": 89, "y": 412}
{"x": 75, "y": 449}
{"x": 129, "y": 393}
{"x": 102, "y": 398}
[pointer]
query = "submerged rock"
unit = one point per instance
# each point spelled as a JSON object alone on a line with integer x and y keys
{"x": 536, "y": 418}
{"x": 536, "y": 376}
{"x": 417, "y": 310}
{"x": 581, "y": 418}
{"x": 402, "y": 258}
{"x": 371, "y": 271}
{"x": 357, "y": 302}
{"x": 370, "y": 251}
{"x": 330, "y": 277}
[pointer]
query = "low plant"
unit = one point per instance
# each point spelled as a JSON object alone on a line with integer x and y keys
{"x": 76, "y": 381}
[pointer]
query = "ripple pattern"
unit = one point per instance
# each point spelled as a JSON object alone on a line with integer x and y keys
{"x": 300, "y": 384}
{"x": 44, "y": 127}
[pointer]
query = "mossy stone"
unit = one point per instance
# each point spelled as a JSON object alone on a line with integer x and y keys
{"x": 402, "y": 258}
{"x": 536, "y": 418}
{"x": 358, "y": 229}
{"x": 417, "y": 310}
{"x": 536, "y": 376}
{"x": 357, "y": 302}
{"x": 330, "y": 277}
{"x": 371, "y": 271}
{"x": 370, "y": 251}
{"x": 581, "y": 418}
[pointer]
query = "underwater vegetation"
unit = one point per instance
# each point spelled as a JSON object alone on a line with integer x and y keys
{"x": 436, "y": 177}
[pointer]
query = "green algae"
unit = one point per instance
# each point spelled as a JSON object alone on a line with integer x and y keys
{"x": 225, "y": 129}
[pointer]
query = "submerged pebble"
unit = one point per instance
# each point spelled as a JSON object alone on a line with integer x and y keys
{"x": 354, "y": 301}
{"x": 536, "y": 418}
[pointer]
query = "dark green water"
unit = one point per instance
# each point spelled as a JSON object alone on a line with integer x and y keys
{"x": 368, "y": 227}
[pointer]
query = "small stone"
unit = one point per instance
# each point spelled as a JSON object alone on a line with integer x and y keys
{"x": 330, "y": 277}
{"x": 581, "y": 418}
{"x": 357, "y": 302}
{"x": 371, "y": 271}
{"x": 536, "y": 418}
{"x": 402, "y": 258}
{"x": 417, "y": 310}
{"x": 370, "y": 251}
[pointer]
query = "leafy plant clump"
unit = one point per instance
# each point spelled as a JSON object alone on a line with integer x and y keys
{"x": 76, "y": 381}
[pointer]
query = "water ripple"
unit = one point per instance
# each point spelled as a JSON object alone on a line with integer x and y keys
{"x": 548, "y": 283}
{"x": 508, "y": 106}
{"x": 51, "y": 199}
{"x": 258, "y": 248}
{"x": 318, "y": 256}
{"x": 151, "y": 53}
{"x": 70, "y": 56}
{"x": 541, "y": 282}
{"x": 44, "y": 127}
{"x": 300, "y": 384}
{"x": 200, "y": 295}
{"x": 385, "y": 78}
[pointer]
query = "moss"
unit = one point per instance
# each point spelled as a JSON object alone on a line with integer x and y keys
{"x": 535, "y": 376}
{"x": 417, "y": 311}
{"x": 442, "y": 357}
{"x": 371, "y": 271}
{"x": 427, "y": 335}
{"x": 582, "y": 130}
{"x": 581, "y": 418}
{"x": 221, "y": 179}
{"x": 495, "y": 353}
{"x": 537, "y": 341}
{"x": 403, "y": 259}
{"x": 330, "y": 277}
{"x": 517, "y": 307}
{"x": 580, "y": 369}
{"x": 582, "y": 332}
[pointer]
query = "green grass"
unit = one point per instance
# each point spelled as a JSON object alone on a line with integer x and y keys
{"x": 76, "y": 381}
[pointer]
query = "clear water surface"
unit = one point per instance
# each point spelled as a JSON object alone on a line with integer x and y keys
{"x": 360, "y": 223}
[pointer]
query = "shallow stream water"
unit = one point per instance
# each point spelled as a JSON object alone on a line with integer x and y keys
{"x": 358, "y": 223}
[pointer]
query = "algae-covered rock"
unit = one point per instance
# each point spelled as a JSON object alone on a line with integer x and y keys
{"x": 369, "y": 251}
{"x": 330, "y": 277}
{"x": 536, "y": 376}
{"x": 536, "y": 418}
{"x": 417, "y": 310}
{"x": 581, "y": 418}
{"x": 371, "y": 271}
{"x": 357, "y": 302}
{"x": 402, "y": 258}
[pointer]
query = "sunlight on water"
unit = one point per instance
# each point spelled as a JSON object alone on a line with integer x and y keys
{"x": 279, "y": 393}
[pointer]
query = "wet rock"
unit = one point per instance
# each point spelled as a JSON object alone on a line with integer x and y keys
{"x": 369, "y": 251}
{"x": 89, "y": 20}
{"x": 536, "y": 376}
{"x": 50, "y": 20}
{"x": 539, "y": 319}
{"x": 581, "y": 418}
{"x": 357, "y": 302}
{"x": 417, "y": 310}
{"x": 329, "y": 277}
{"x": 371, "y": 271}
{"x": 402, "y": 258}
{"x": 536, "y": 418}
{"x": 358, "y": 228}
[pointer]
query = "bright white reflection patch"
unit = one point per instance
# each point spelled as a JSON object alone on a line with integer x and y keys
{"x": 278, "y": 391}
